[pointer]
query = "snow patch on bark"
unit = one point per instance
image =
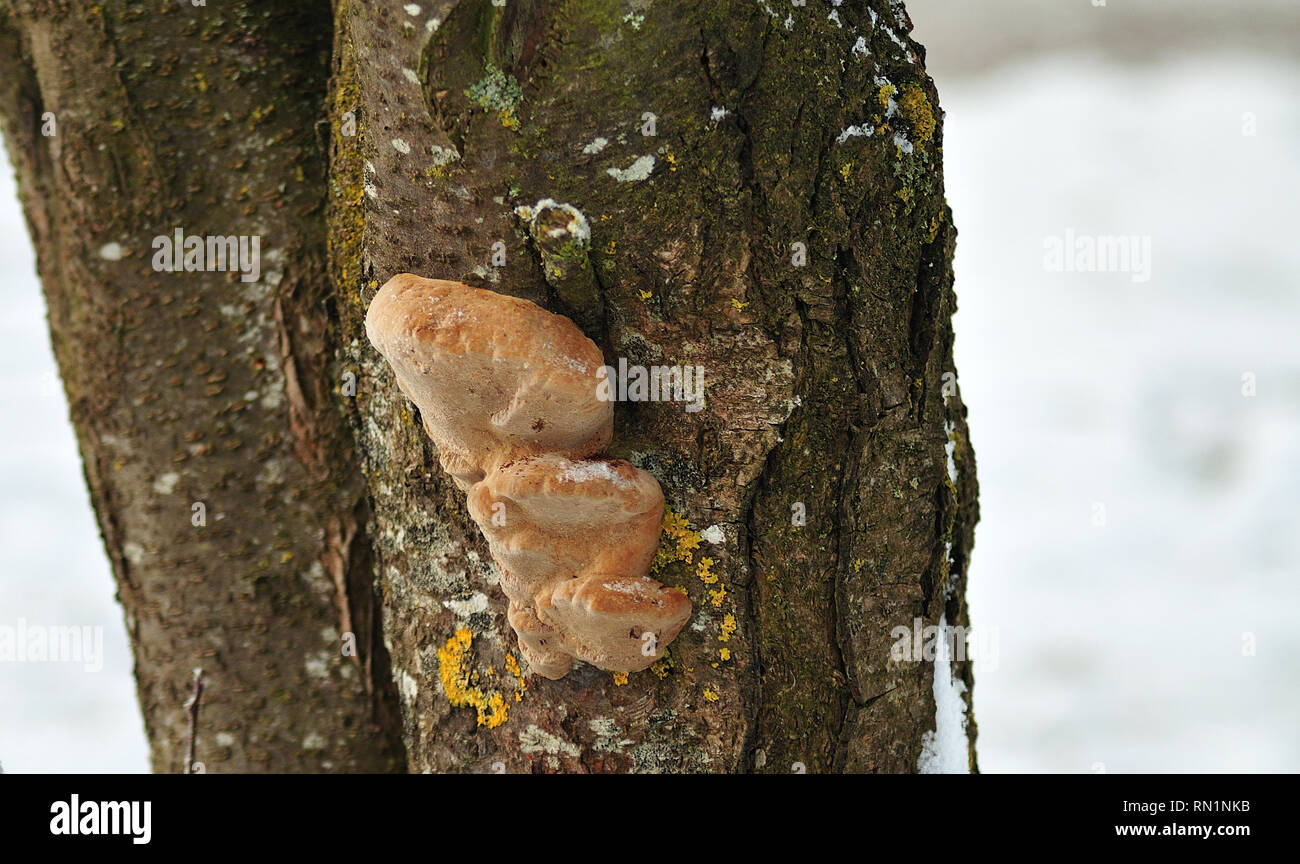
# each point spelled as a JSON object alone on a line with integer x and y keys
{"x": 944, "y": 750}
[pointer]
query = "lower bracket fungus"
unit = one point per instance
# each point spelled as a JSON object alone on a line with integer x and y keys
{"x": 508, "y": 393}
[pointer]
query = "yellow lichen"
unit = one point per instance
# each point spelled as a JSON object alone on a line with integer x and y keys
{"x": 620, "y": 678}
{"x": 705, "y": 571}
{"x": 678, "y": 542}
{"x": 916, "y": 109}
{"x": 884, "y": 94}
{"x": 663, "y": 665}
{"x": 710, "y": 695}
{"x": 512, "y": 666}
{"x": 724, "y": 654}
{"x": 728, "y": 627}
{"x": 460, "y": 681}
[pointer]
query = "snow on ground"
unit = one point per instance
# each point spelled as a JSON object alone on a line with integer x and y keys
{"x": 1126, "y": 645}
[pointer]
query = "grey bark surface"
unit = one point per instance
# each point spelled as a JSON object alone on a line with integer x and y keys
{"x": 830, "y": 387}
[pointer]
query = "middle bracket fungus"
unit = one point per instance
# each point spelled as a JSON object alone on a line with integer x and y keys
{"x": 508, "y": 393}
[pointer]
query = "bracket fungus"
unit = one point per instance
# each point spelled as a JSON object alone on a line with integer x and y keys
{"x": 508, "y": 393}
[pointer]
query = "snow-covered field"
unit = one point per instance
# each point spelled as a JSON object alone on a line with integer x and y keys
{"x": 1138, "y": 550}
{"x": 1136, "y": 566}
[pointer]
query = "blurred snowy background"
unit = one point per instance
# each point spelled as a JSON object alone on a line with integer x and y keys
{"x": 1136, "y": 566}
{"x": 1125, "y": 646}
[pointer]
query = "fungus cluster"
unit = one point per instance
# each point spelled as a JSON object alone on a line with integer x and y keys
{"x": 508, "y": 393}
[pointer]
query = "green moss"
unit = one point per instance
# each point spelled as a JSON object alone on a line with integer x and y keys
{"x": 346, "y": 208}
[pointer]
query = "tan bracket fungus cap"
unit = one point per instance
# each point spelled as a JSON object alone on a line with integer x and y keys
{"x": 507, "y": 392}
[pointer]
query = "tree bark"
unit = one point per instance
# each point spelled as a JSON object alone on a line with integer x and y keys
{"x": 817, "y": 478}
{"x": 193, "y": 388}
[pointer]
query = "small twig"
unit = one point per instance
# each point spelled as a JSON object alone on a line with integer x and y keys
{"x": 192, "y": 708}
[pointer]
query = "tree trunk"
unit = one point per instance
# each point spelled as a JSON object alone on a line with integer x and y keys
{"x": 764, "y": 193}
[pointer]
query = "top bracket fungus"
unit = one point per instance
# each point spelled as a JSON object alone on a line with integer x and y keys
{"x": 508, "y": 393}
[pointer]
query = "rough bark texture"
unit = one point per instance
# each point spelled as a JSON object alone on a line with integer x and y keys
{"x": 825, "y": 383}
{"x": 196, "y": 387}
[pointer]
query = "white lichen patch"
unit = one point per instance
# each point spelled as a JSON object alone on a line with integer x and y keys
{"x": 410, "y": 75}
{"x": 318, "y": 666}
{"x": 467, "y": 606}
{"x": 835, "y": 16}
{"x": 111, "y": 251}
{"x": 133, "y": 551}
{"x": 166, "y": 483}
{"x": 535, "y": 739}
{"x": 635, "y": 19}
{"x": 225, "y": 739}
{"x": 443, "y": 155}
{"x": 407, "y": 686}
{"x": 271, "y": 474}
{"x": 314, "y": 576}
{"x": 718, "y": 113}
{"x": 595, "y": 146}
{"x": 432, "y": 24}
{"x": 714, "y": 534}
{"x": 900, "y": 141}
{"x": 574, "y": 223}
{"x": 400, "y": 146}
{"x": 412, "y": 9}
{"x": 637, "y": 171}
{"x": 860, "y": 47}
{"x": 313, "y": 741}
{"x": 608, "y": 736}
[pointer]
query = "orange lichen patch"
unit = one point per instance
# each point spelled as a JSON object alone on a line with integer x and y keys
{"x": 512, "y": 666}
{"x": 717, "y": 596}
{"x": 677, "y": 542}
{"x": 620, "y": 678}
{"x": 460, "y": 681}
{"x": 728, "y": 627}
{"x": 705, "y": 571}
